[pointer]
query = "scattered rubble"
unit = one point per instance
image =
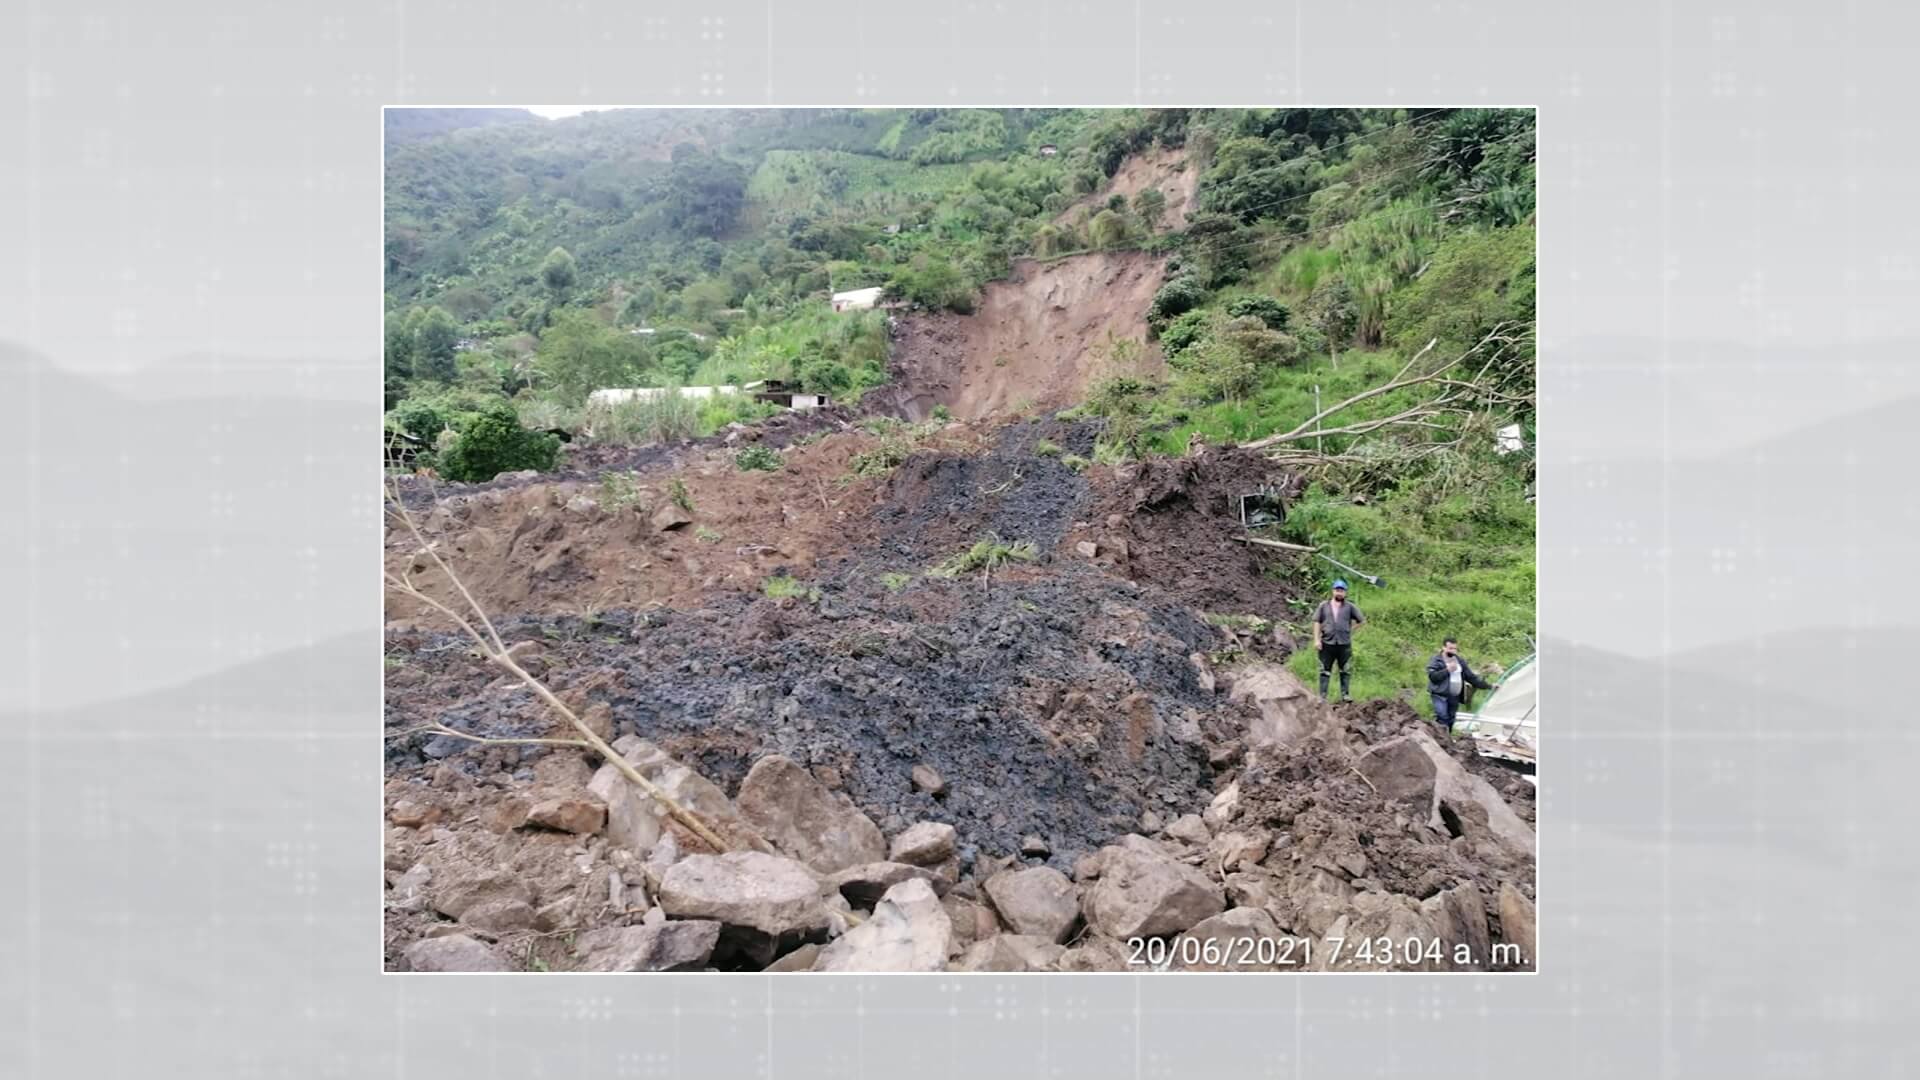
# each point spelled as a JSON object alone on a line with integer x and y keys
{"x": 1064, "y": 765}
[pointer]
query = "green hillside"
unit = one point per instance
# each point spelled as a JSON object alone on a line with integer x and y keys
{"x": 1327, "y": 249}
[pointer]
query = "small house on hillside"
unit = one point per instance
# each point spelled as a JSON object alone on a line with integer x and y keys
{"x": 1048, "y": 150}
{"x": 857, "y": 299}
{"x": 788, "y": 396}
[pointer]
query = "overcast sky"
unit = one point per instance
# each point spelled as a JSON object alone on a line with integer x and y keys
{"x": 557, "y": 112}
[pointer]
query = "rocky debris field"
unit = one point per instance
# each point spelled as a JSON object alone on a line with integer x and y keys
{"x": 1059, "y": 762}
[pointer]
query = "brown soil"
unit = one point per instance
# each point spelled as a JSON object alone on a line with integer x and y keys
{"x": 1033, "y": 343}
{"x": 521, "y": 548}
{"x": 1161, "y": 167}
{"x": 1068, "y": 697}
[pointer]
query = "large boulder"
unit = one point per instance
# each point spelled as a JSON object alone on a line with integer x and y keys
{"x": 678, "y": 945}
{"x": 1461, "y": 916}
{"x": 971, "y": 922}
{"x": 805, "y": 820}
{"x": 1517, "y": 925}
{"x": 1146, "y": 895}
{"x": 928, "y": 843}
{"x": 909, "y": 931}
{"x": 1243, "y": 939}
{"x": 1401, "y": 772}
{"x": 1383, "y": 932}
{"x": 454, "y": 952}
{"x": 635, "y": 819}
{"x": 751, "y": 889}
{"x": 1039, "y": 901}
{"x": 1288, "y": 710}
{"x": 1471, "y": 799}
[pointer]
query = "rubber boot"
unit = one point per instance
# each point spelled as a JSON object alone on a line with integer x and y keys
{"x": 1344, "y": 685}
{"x": 1323, "y": 684}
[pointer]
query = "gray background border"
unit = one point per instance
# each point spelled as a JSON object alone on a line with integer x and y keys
{"x": 189, "y": 284}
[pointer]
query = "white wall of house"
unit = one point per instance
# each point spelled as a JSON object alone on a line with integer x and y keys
{"x": 857, "y": 299}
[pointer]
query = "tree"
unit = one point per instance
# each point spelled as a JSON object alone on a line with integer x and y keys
{"x": 434, "y": 346}
{"x": 399, "y": 346}
{"x": 1107, "y": 229}
{"x": 1150, "y": 204}
{"x": 704, "y": 191}
{"x": 1175, "y": 298}
{"x": 1265, "y": 308}
{"x": 577, "y": 356}
{"x": 559, "y": 272}
{"x": 493, "y": 443}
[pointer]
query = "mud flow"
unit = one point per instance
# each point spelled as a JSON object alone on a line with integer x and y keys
{"x": 986, "y": 705}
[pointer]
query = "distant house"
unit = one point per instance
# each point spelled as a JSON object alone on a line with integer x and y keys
{"x": 1048, "y": 150}
{"x": 788, "y": 396}
{"x": 857, "y": 299}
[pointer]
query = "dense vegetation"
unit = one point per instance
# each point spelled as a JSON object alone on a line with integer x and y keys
{"x": 530, "y": 262}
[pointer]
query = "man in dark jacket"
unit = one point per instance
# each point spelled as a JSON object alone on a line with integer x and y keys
{"x": 1333, "y": 623}
{"x": 1448, "y": 677}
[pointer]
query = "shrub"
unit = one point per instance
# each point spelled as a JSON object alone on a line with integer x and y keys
{"x": 1265, "y": 308}
{"x": 1183, "y": 333}
{"x": 880, "y": 460}
{"x": 758, "y": 458}
{"x": 1047, "y": 448}
{"x": 782, "y": 586}
{"x": 618, "y": 490}
{"x": 941, "y": 413}
{"x": 985, "y": 555}
{"x": 1075, "y": 462}
{"x": 1175, "y": 298}
{"x": 677, "y": 491}
{"x": 494, "y": 443}
{"x": 894, "y": 580}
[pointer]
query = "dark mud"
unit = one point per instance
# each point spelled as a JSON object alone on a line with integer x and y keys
{"x": 1059, "y": 704}
{"x": 937, "y": 504}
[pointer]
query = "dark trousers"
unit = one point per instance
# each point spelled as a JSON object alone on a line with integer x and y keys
{"x": 1445, "y": 709}
{"x": 1332, "y": 656}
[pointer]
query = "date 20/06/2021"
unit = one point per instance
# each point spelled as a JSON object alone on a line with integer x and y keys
{"x": 1292, "y": 952}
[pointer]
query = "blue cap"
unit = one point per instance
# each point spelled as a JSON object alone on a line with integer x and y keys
{"x": 1339, "y": 583}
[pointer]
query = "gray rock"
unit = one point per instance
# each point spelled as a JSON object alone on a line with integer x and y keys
{"x": 864, "y": 885}
{"x": 454, "y": 952}
{"x": 1010, "y": 952}
{"x": 1035, "y": 847}
{"x": 1517, "y": 924}
{"x": 928, "y": 843}
{"x": 928, "y": 779}
{"x": 751, "y": 889}
{"x": 679, "y": 945}
{"x": 1143, "y": 895}
{"x": 800, "y": 959}
{"x": 802, "y": 818}
{"x": 1190, "y": 829}
{"x": 1038, "y": 901}
{"x": 1243, "y": 939}
{"x": 1461, "y": 917}
{"x": 669, "y": 516}
{"x": 909, "y": 931}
